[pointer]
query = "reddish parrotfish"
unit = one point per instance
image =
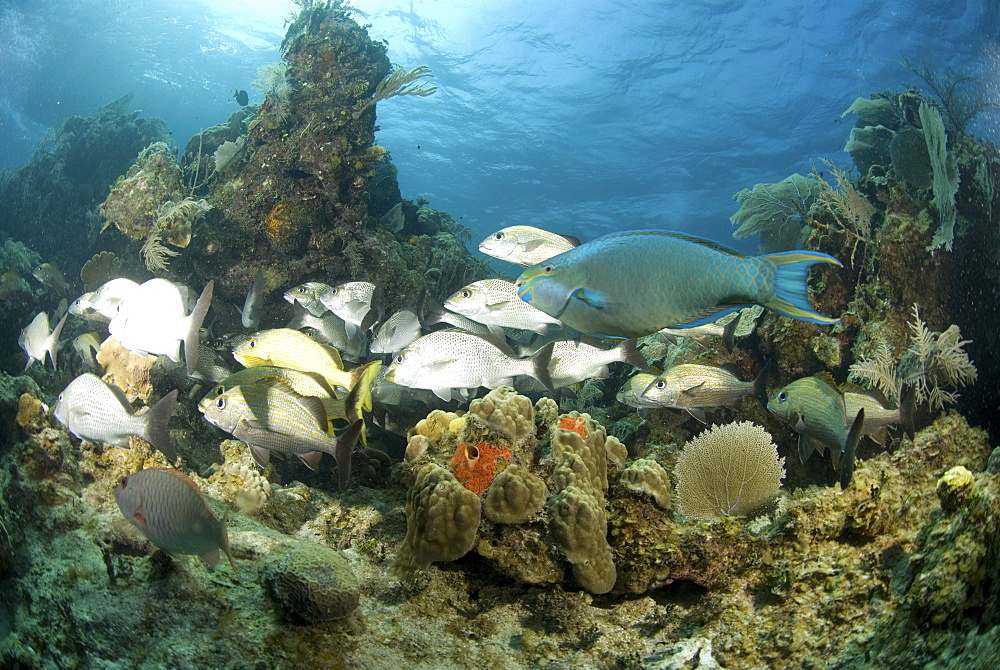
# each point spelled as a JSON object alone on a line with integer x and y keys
{"x": 170, "y": 510}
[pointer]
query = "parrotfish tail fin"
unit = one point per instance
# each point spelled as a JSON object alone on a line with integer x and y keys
{"x": 53, "y": 348}
{"x": 346, "y": 442}
{"x": 194, "y": 327}
{"x": 853, "y": 437}
{"x": 540, "y": 364}
{"x": 729, "y": 334}
{"x": 157, "y": 419}
{"x": 631, "y": 355}
{"x": 907, "y": 405}
{"x": 760, "y": 383}
{"x": 224, "y": 530}
{"x": 791, "y": 291}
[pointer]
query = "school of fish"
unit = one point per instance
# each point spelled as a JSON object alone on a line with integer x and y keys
{"x": 540, "y": 333}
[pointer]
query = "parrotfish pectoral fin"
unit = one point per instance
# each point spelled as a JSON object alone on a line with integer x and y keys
{"x": 593, "y": 299}
{"x": 791, "y": 291}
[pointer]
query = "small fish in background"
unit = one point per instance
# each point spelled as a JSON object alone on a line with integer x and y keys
{"x": 694, "y": 387}
{"x": 330, "y": 329}
{"x": 38, "y": 341}
{"x": 49, "y": 275}
{"x": 99, "y": 412}
{"x": 357, "y": 302}
{"x": 271, "y": 417}
{"x": 526, "y": 245}
{"x": 154, "y": 320}
{"x": 634, "y": 283}
{"x": 814, "y": 407}
{"x": 241, "y": 97}
{"x": 495, "y": 303}
{"x": 170, "y": 510}
{"x": 393, "y": 220}
{"x": 577, "y": 360}
{"x": 87, "y": 346}
{"x": 455, "y": 359}
{"x": 307, "y": 295}
{"x": 254, "y": 303}
{"x": 877, "y": 413}
{"x": 103, "y": 303}
{"x": 211, "y": 367}
{"x": 396, "y": 333}
{"x": 702, "y": 333}
{"x": 631, "y": 391}
{"x": 437, "y": 314}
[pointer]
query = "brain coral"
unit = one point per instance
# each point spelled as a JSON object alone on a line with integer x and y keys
{"x": 728, "y": 471}
{"x": 310, "y": 581}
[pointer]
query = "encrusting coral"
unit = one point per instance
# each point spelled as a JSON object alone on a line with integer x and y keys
{"x": 311, "y": 581}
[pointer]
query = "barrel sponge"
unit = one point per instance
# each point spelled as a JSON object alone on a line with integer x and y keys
{"x": 579, "y": 527}
{"x": 504, "y": 411}
{"x": 515, "y": 496}
{"x": 592, "y": 454}
{"x": 646, "y": 476}
{"x": 310, "y": 581}
{"x": 442, "y": 518}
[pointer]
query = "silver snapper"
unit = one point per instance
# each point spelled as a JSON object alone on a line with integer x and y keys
{"x": 494, "y": 302}
{"x": 455, "y": 359}
{"x": 396, "y": 333}
{"x": 154, "y": 320}
{"x": 356, "y": 302}
{"x": 103, "y": 304}
{"x": 526, "y": 245}
{"x": 99, "y": 412}
{"x": 307, "y": 295}
{"x": 254, "y": 303}
{"x": 38, "y": 341}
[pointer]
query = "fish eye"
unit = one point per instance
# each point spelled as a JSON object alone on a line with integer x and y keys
{"x": 334, "y": 291}
{"x": 60, "y": 397}
{"x": 498, "y": 236}
{"x": 660, "y": 384}
{"x": 399, "y": 358}
{"x": 219, "y": 390}
{"x": 548, "y": 269}
{"x": 782, "y": 397}
{"x": 221, "y": 403}
{"x": 124, "y": 482}
{"x": 519, "y": 283}
{"x": 253, "y": 343}
{"x": 466, "y": 294}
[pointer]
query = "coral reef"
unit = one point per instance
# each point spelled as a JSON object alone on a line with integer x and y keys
{"x": 312, "y": 582}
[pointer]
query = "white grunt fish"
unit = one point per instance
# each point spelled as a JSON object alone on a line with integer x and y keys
{"x": 450, "y": 359}
{"x": 154, "y": 320}
{"x": 693, "y": 387}
{"x": 494, "y": 302}
{"x": 356, "y": 302}
{"x": 170, "y": 510}
{"x": 103, "y": 304}
{"x": 330, "y": 329}
{"x": 99, "y": 412}
{"x": 396, "y": 333}
{"x": 307, "y": 295}
{"x": 577, "y": 360}
{"x": 38, "y": 341}
{"x": 526, "y": 245}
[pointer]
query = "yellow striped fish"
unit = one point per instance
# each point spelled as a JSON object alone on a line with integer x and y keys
{"x": 287, "y": 348}
{"x": 309, "y": 384}
{"x": 692, "y": 387}
{"x": 526, "y": 245}
{"x": 815, "y": 408}
{"x": 877, "y": 415}
{"x": 272, "y": 417}
{"x": 631, "y": 391}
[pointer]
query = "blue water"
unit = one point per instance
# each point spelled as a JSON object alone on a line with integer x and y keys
{"x": 577, "y": 116}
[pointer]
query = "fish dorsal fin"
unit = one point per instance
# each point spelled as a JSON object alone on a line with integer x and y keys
{"x": 827, "y": 379}
{"x": 334, "y": 354}
{"x": 873, "y": 393}
{"x": 572, "y": 239}
{"x": 120, "y": 395}
{"x": 732, "y": 369}
{"x": 687, "y": 238}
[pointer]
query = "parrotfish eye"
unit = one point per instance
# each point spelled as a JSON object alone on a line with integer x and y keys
{"x": 782, "y": 397}
{"x": 519, "y": 283}
{"x": 548, "y": 269}
{"x": 221, "y": 403}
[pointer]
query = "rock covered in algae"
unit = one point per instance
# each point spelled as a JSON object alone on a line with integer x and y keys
{"x": 515, "y": 495}
{"x": 954, "y": 486}
{"x": 442, "y": 518}
{"x": 310, "y": 581}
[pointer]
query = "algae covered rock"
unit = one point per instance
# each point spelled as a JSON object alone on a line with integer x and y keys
{"x": 310, "y": 581}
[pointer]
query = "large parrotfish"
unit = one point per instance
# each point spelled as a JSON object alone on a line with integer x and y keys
{"x": 635, "y": 283}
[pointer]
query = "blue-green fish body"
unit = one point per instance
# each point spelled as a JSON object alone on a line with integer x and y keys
{"x": 635, "y": 283}
{"x": 815, "y": 408}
